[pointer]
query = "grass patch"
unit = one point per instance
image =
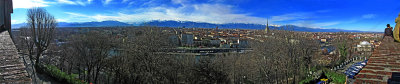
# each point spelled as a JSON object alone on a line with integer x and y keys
{"x": 308, "y": 80}
{"x": 335, "y": 77}
{"x": 56, "y": 73}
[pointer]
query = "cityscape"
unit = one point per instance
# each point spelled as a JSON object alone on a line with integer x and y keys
{"x": 196, "y": 42}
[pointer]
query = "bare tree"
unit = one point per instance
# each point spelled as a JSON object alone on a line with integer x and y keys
{"x": 141, "y": 58}
{"x": 42, "y": 25}
{"x": 26, "y": 41}
{"x": 91, "y": 50}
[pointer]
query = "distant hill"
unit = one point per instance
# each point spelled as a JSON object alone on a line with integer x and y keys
{"x": 189, "y": 24}
{"x": 18, "y": 25}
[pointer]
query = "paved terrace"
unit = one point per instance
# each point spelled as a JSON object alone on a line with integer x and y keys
{"x": 12, "y": 69}
{"x": 384, "y": 61}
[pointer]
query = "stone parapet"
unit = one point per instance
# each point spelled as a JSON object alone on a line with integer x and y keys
{"x": 12, "y": 69}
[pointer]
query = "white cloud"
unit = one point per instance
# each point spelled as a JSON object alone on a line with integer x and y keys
{"x": 218, "y": 0}
{"x": 150, "y": 3}
{"x": 75, "y": 14}
{"x": 61, "y": 20}
{"x": 17, "y": 21}
{"x": 322, "y": 24}
{"x": 292, "y": 16}
{"x": 314, "y": 24}
{"x": 89, "y": 1}
{"x": 124, "y": 1}
{"x": 178, "y": 1}
{"x": 213, "y": 13}
{"x": 29, "y": 3}
{"x": 13, "y": 21}
{"x": 75, "y": 2}
{"x": 105, "y": 2}
{"x": 82, "y": 3}
{"x": 304, "y": 19}
{"x": 66, "y": 2}
{"x": 368, "y": 16}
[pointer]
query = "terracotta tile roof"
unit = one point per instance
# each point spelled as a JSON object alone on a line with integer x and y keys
{"x": 384, "y": 61}
{"x": 12, "y": 69}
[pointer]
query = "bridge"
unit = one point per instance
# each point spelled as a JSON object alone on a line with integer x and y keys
{"x": 383, "y": 66}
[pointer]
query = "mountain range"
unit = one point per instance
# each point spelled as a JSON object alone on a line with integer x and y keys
{"x": 83, "y": 24}
{"x": 190, "y": 24}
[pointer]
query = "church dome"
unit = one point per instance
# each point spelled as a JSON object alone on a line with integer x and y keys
{"x": 365, "y": 43}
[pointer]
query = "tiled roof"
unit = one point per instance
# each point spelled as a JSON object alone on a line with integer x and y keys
{"x": 384, "y": 61}
{"x": 12, "y": 69}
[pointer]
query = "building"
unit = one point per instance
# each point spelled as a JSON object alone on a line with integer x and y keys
{"x": 243, "y": 43}
{"x": 225, "y": 46}
{"x": 174, "y": 40}
{"x": 323, "y": 40}
{"x": 365, "y": 49}
{"x": 266, "y": 28}
{"x": 6, "y": 9}
{"x": 198, "y": 42}
{"x": 215, "y": 42}
{"x": 187, "y": 39}
{"x": 364, "y": 46}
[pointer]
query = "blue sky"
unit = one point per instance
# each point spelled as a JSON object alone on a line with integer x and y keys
{"x": 366, "y": 15}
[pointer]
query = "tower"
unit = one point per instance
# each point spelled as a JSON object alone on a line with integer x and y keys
{"x": 267, "y": 28}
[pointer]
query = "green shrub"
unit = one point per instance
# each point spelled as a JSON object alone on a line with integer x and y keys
{"x": 332, "y": 76}
{"x": 306, "y": 81}
{"x": 335, "y": 77}
{"x": 56, "y": 73}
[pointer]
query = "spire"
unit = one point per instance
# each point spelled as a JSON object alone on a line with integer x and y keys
{"x": 267, "y": 28}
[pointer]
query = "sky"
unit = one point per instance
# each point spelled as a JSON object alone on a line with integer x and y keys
{"x": 365, "y": 15}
